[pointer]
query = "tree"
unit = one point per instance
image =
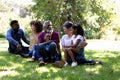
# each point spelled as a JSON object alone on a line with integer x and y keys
{"x": 90, "y": 13}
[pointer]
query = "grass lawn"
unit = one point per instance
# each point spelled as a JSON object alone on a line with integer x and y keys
{"x": 14, "y": 67}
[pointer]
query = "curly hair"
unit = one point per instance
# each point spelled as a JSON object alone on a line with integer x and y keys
{"x": 38, "y": 25}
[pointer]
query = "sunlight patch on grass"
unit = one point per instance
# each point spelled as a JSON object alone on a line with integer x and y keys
{"x": 2, "y": 58}
{"x": 103, "y": 45}
{"x": 105, "y": 54}
{"x": 8, "y": 71}
{"x": 58, "y": 78}
{"x": 17, "y": 65}
{"x": 54, "y": 69}
{"x": 3, "y": 49}
{"x": 42, "y": 69}
{"x": 116, "y": 67}
{"x": 93, "y": 70}
{"x": 45, "y": 69}
{"x": 4, "y": 45}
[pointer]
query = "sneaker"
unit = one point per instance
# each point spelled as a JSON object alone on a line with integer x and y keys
{"x": 99, "y": 62}
{"x": 65, "y": 64}
{"x": 32, "y": 59}
{"x": 24, "y": 55}
{"x": 42, "y": 63}
{"x": 74, "y": 64}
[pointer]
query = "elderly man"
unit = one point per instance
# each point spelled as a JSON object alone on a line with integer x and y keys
{"x": 53, "y": 54}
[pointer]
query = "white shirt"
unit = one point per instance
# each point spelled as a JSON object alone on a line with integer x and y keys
{"x": 75, "y": 38}
{"x": 66, "y": 40}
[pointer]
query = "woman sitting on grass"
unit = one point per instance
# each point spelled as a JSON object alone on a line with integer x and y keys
{"x": 67, "y": 43}
{"x": 36, "y": 27}
{"x": 74, "y": 53}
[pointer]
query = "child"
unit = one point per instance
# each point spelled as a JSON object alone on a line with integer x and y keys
{"x": 76, "y": 39}
{"x": 47, "y": 38}
{"x": 47, "y": 43}
{"x": 67, "y": 42}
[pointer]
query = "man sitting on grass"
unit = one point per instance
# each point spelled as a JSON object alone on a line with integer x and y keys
{"x": 14, "y": 36}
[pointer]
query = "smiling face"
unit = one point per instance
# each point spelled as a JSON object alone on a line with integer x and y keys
{"x": 74, "y": 31}
{"x": 47, "y": 36}
{"x": 49, "y": 29}
{"x": 33, "y": 28}
{"x": 67, "y": 30}
{"x": 47, "y": 26}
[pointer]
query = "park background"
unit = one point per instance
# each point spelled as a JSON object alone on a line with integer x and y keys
{"x": 100, "y": 20}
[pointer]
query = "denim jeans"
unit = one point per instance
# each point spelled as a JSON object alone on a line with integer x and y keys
{"x": 58, "y": 57}
{"x": 49, "y": 54}
{"x": 80, "y": 58}
{"x": 13, "y": 49}
{"x": 35, "y": 52}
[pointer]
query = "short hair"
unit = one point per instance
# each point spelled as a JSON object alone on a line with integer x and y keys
{"x": 68, "y": 24}
{"x": 13, "y": 22}
{"x": 47, "y": 23}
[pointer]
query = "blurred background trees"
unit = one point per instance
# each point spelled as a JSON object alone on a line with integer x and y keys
{"x": 10, "y": 10}
{"x": 96, "y": 16}
{"x": 99, "y": 18}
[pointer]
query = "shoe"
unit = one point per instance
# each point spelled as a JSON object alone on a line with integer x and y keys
{"x": 32, "y": 59}
{"x": 74, "y": 64}
{"x": 42, "y": 63}
{"x": 99, "y": 62}
{"x": 58, "y": 64}
{"x": 65, "y": 64}
{"x": 24, "y": 55}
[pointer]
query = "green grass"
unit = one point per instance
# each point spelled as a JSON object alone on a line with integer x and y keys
{"x": 14, "y": 67}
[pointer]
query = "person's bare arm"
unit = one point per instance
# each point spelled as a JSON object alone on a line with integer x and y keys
{"x": 58, "y": 48}
{"x": 83, "y": 44}
{"x": 76, "y": 44}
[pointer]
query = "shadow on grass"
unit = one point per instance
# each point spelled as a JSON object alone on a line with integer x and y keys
{"x": 14, "y": 67}
{"x": 110, "y": 70}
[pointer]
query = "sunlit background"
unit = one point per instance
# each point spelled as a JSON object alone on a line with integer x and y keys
{"x": 104, "y": 48}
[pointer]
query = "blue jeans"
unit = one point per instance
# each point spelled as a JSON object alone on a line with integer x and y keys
{"x": 49, "y": 54}
{"x": 58, "y": 57}
{"x": 80, "y": 58}
{"x": 13, "y": 49}
{"x": 35, "y": 52}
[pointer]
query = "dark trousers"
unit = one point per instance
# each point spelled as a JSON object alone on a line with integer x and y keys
{"x": 50, "y": 54}
{"x": 80, "y": 58}
{"x": 13, "y": 49}
{"x": 58, "y": 57}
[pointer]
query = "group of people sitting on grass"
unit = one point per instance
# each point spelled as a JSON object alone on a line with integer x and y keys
{"x": 44, "y": 43}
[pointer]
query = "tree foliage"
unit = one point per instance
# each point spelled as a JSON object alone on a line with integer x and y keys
{"x": 91, "y": 14}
